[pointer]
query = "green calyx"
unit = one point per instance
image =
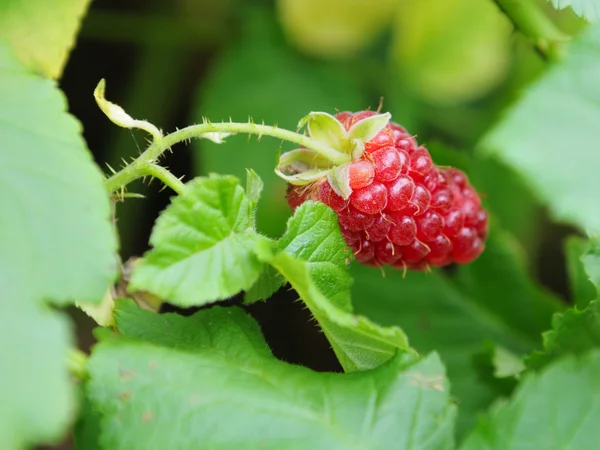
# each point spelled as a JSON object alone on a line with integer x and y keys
{"x": 305, "y": 166}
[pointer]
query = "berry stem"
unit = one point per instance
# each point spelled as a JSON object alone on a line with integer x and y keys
{"x": 145, "y": 163}
{"x": 527, "y": 17}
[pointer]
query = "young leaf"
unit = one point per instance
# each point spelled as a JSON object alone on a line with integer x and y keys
{"x": 261, "y": 77}
{"x": 211, "y": 374}
{"x": 582, "y": 289}
{"x": 550, "y": 145}
{"x": 551, "y": 410}
{"x": 42, "y": 33}
{"x": 438, "y": 314}
{"x": 574, "y": 331}
{"x": 588, "y": 9}
{"x": 311, "y": 256}
{"x": 202, "y": 245}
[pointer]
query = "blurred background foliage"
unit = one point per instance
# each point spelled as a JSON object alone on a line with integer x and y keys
{"x": 445, "y": 69}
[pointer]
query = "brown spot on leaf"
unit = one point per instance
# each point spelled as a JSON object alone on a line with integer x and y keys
{"x": 124, "y": 396}
{"x": 148, "y": 416}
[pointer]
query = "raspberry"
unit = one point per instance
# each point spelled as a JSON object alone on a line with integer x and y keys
{"x": 402, "y": 210}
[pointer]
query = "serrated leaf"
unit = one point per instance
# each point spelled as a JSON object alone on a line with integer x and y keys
{"x": 211, "y": 374}
{"x": 57, "y": 244}
{"x": 436, "y": 313}
{"x": 312, "y": 257}
{"x": 582, "y": 289}
{"x": 588, "y": 9}
{"x": 202, "y": 245}
{"x": 574, "y": 331}
{"x": 42, "y": 33}
{"x": 259, "y": 76}
{"x": 547, "y": 145}
{"x": 56, "y": 221}
{"x": 551, "y": 410}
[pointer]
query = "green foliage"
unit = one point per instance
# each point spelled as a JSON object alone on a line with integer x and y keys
{"x": 550, "y": 145}
{"x": 311, "y": 256}
{"x": 455, "y": 318}
{"x": 550, "y": 410}
{"x": 41, "y": 33}
{"x": 212, "y": 371}
{"x": 582, "y": 288}
{"x": 203, "y": 245}
{"x": 57, "y": 244}
{"x": 483, "y": 336}
{"x": 589, "y": 9}
{"x": 573, "y": 332}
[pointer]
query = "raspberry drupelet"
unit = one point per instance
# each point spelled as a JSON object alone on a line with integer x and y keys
{"x": 402, "y": 210}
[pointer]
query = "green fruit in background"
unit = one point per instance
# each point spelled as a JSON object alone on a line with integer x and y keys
{"x": 451, "y": 51}
{"x": 334, "y": 28}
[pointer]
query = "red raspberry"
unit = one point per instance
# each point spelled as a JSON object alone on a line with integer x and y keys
{"x": 403, "y": 210}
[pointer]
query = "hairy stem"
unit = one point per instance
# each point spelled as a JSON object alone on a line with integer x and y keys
{"x": 533, "y": 23}
{"x": 143, "y": 163}
{"x": 170, "y": 180}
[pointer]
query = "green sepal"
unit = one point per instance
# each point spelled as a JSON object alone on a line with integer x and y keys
{"x": 340, "y": 181}
{"x": 367, "y": 128}
{"x": 326, "y": 129}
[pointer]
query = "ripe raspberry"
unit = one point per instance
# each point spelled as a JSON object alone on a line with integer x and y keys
{"x": 401, "y": 209}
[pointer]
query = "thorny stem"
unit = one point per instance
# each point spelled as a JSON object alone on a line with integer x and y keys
{"x": 156, "y": 171}
{"x": 145, "y": 163}
{"x": 533, "y": 23}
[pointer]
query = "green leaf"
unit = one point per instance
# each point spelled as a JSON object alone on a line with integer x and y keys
{"x": 42, "y": 33}
{"x": 549, "y": 145}
{"x": 311, "y": 256}
{"x": 55, "y": 225}
{"x": 261, "y": 77}
{"x": 223, "y": 331}
{"x": 500, "y": 282}
{"x": 588, "y": 9}
{"x": 254, "y": 187}
{"x": 582, "y": 289}
{"x": 439, "y": 314}
{"x": 212, "y": 375}
{"x": 591, "y": 261}
{"x": 574, "y": 331}
{"x": 551, "y": 410}
{"x": 38, "y": 401}
{"x": 202, "y": 245}
{"x": 57, "y": 245}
